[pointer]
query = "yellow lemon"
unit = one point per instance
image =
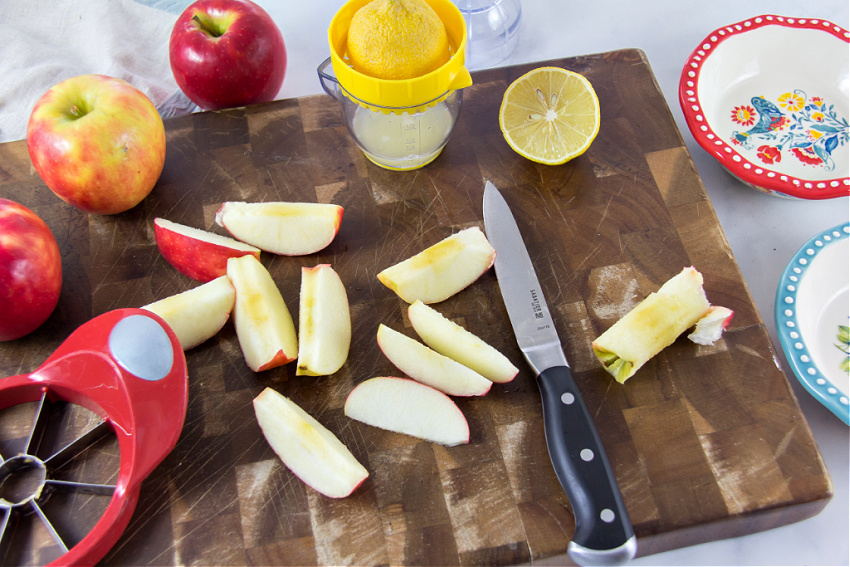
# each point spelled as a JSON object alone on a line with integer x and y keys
{"x": 397, "y": 39}
{"x": 550, "y": 115}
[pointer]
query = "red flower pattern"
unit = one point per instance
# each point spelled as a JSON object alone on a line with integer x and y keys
{"x": 807, "y": 155}
{"x": 769, "y": 154}
{"x": 744, "y": 115}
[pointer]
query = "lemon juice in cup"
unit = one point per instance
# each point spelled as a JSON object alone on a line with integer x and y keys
{"x": 407, "y": 140}
{"x": 399, "y": 108}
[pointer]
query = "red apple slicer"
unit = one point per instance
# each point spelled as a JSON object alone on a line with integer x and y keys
{"x": 127, "y": 367}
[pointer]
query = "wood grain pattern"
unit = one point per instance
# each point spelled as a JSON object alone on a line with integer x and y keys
{"x": 706, "y": 442}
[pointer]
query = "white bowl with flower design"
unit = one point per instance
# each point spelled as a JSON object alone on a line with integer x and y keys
{"x": 768, "y": 98}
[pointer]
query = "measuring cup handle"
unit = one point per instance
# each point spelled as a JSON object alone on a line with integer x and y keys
{"x": 330, "y": 84}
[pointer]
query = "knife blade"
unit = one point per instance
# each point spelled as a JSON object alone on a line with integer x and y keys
{"x": 603, "y": 534}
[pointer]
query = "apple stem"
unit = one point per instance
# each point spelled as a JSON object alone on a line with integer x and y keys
{"x": 208, "y": 25}
{"x": 78, "y": 110}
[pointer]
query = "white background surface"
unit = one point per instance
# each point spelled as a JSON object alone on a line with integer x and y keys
{"x": 764, "y": 231}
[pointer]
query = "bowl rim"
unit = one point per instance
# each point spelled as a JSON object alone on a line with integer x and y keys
{"x": 756, "y": 175}
{"x": 794, "y": 344}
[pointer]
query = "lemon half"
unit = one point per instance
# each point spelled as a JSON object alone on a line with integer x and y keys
{"x": 550, "y": 115}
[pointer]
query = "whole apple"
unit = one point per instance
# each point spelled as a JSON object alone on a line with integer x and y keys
{"x": 227, "y": 53}
{"x": 30, "y": 271}
{"x": 97, "y": 142}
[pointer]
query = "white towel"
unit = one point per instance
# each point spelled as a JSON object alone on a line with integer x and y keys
{"x": 43, "y": 42}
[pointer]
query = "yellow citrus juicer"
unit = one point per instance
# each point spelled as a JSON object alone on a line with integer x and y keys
{"x": 399, "y": 124}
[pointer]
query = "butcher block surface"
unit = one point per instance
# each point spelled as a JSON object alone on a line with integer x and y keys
{"x": 707, "y": 442}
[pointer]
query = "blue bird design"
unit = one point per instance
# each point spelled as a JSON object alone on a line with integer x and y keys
{"x": 770, "y": 118}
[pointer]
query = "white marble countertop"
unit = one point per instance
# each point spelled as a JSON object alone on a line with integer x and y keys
{"x": 764, "y": 231}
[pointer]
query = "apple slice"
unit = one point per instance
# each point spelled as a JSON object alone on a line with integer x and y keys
{"x": 290, "y": 229}
{"x": 430, "y": 367}
{"x": 452, "y": 340}
{"x": 443, "y": 269}
{"x": 409, "y": 407}
{"x": 324, "y": 322}
{"x": 264, "y": 326}
{"x": 652, "y": 325}
{"x": 711, "y": 326}
{"x": 199, "y": 313}
{"x": 306, "y": 447}
{"x": 196, "y": 253}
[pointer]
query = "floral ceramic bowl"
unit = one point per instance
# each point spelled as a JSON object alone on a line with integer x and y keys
{"x": 813, "y": 318}
{"x": 768, "y": 97}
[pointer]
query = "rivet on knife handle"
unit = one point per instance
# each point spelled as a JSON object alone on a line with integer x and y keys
{"x": 604, "y": 534}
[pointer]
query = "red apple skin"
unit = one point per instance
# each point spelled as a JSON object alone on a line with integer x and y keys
{"x": 30, "y": 271}
{"x": 97, "y": 142}
{"x": 200, "y": 260}
{"x": 243, "y": 65}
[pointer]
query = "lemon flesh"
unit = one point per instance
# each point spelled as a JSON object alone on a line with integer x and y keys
{"x": 550, "y": 115}
{"x": 397, "y": 39}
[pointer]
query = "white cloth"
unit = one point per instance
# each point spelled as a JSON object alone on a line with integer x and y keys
{"x": 43, "y": 42}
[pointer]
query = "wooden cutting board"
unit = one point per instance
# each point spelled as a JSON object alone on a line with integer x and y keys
{"x": 706, "y": 442}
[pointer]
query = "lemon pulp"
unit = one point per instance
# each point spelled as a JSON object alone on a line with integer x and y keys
{"x": 397, "y": 39}
{"x": 550, "y": 115}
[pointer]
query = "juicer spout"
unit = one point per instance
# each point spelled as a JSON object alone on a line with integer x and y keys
{"x": 460, "y": 80}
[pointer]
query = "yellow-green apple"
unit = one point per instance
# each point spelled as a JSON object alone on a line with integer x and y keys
{"x": 30, "y": 271}
{"x": 441, "y": 270}
{"x": 289, "y": 229}
{"x": 306, "y": 447}
{"x": 652, "y": 325}
{"x": 324, "y": 322}
{"x": 430, "y": 367}
{"x": 227, "y": 53}
{"x": 406, "y": 406}
{"x": 197, "y": 314}
{"x": 263, "y": 324}
{"x": 451, "y": 340}
{"x": 97, "y": 142}
{"x": 710, "y": 328}
{"x": 196, "y": 253}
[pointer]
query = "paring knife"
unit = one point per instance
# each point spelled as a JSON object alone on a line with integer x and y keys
{"x": 604, "y": 534}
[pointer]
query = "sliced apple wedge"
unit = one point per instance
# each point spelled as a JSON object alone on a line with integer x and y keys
{"x": 443, "y": 269}
{"x": 652, "y": 325}
{"x": 406, "y": 406}
{"x": 324, "y": 322}
{"x": 199, "y": 313}
{"x": 196, "y": 253}
{"x": 710, "y": 328}
{"x": 452, "y": 340}
{"x": 263, "y": 324}
{"x": 306, "y": 447}
{"x": 430, "y": 367}
{"x": 289, "y": 229}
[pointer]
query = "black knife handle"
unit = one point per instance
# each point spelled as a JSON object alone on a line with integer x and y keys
{"x": 604, "y": 534}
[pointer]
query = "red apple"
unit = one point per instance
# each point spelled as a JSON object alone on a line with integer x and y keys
{"x": 227, "y": 53}
{"x": 30, "y": 271}
{"x": 97, "y": 142}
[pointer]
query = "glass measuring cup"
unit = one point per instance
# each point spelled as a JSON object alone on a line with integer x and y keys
{"x": 395, "y": 137}
{"x": 405, "y": 123}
